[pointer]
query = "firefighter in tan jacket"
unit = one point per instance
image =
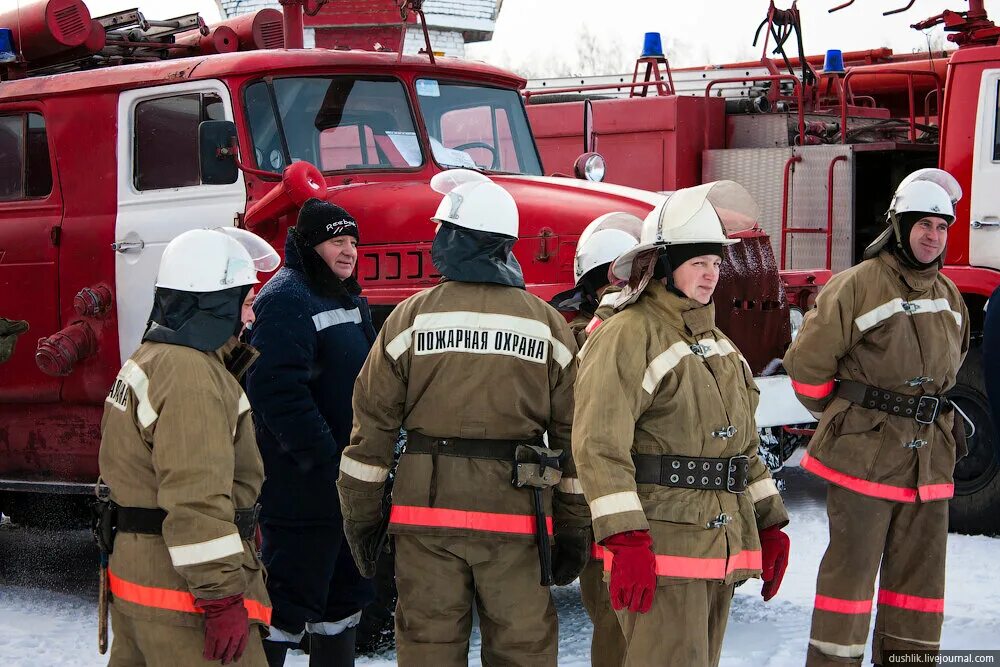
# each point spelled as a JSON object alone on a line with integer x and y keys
{"x": 666, "y": 445}
{"x": 876, "y": 356}
{"x": 476, "y": 370}
{"x": 592, "y": 299}
{"x": 179, "y": 458}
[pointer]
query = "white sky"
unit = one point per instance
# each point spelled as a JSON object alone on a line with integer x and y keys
{"x": 710, "y": 31}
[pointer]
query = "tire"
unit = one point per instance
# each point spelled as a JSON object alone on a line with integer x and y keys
{"x": 975, "y": 509}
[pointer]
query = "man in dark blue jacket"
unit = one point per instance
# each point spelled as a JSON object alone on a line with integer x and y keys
{"x": 991, "y": 353}
{"x": 313, "y": 331}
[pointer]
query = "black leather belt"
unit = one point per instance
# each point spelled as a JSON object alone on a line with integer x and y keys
{"x": 494, "y": 450}
{"x": 149, "y": 521}
{"x": 924, "y": 409}
{"x": 686, "y": 472}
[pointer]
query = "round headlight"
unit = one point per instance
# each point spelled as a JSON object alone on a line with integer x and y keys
{"x": 590, "y": 166}
{"x": 594, "y": 168}
{"x": 795, "y": 318}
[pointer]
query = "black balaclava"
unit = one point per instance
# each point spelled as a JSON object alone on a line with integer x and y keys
{"x": 472, "y": 256}
{"x": 901, "y": 247}
{"x": 673, "y": 256}
{"x": 200, "y": 320}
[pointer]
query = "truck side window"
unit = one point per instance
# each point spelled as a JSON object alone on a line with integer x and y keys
{"x": 166, "y": 139}
{"x": 25, "y": 169}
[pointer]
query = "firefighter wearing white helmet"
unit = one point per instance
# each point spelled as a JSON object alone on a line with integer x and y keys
{"x": 666, "y": 444}
{"x": 476, "y": 370}
{"x": 876, "y": 357}
{"x": 592, "y": 296}
{"x": 182, "y": 469}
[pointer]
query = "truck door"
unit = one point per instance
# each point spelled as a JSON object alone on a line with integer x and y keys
{"x": 160, "y": 193}
{"x": 984, "y": 206}
{"x": 30, "y": 217}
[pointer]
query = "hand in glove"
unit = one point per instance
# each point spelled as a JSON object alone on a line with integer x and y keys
{"x": 633, "y": 570}
{"x": 227, "y": 628}
{"x": 570, "y": 554}
{"x": 366, "y": 541}
{"x": 774, "y": 547}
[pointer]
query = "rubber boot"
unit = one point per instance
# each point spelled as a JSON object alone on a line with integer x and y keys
{"x": 332, "y": 650}
{"x": 275, "y": 653}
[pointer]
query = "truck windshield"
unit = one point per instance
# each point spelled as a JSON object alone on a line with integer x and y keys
{"x": 476, "y": 126}
{"x": 351, "y": 123}
{"x": 338, "y": 123}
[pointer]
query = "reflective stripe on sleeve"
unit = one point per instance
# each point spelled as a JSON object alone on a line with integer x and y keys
{"x": 817, "y": 391}
{"x": 761, "y": 489}
{"x": 363, "y": 471}
{"x": 171, "y": 600}
{"x": 615, "y": 503}
{"x": 570, "y": 485}
{"x": 202, "y": 552}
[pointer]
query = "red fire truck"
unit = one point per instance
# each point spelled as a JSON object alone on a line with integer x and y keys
{"x": 118, "y": 133}
{"x": 822, "y": 152}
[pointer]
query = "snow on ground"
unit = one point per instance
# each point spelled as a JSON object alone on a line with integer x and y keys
{"x": 48, "y": 599}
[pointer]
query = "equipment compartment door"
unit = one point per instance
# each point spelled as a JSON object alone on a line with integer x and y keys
{"x": 160, "y": 193}
{"x": 984, "y": 209}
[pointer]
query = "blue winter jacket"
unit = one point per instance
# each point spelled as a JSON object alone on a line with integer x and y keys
{"x": 313, "y": 333}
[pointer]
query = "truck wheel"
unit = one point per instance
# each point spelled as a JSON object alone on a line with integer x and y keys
{"x": 975, "y": 509}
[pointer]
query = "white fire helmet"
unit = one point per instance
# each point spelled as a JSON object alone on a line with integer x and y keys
{"x": 212, "y": 260}
{"x": 473, "y": 201}
{"x": 604, "y": 240}
{"x": 707, "y": 213}
{"x": 934, "y": 192}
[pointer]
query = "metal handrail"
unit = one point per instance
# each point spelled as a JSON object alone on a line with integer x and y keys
{"x": 909, "y": 74}
{"x": 769, "y": 77}
{"x": 829, "y": 210}
{"x": 789, "y": 163}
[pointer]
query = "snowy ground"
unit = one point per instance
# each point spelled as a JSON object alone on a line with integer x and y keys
{"x": 48, "y": 599}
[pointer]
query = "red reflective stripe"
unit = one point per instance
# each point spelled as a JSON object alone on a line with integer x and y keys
{"x": 839, "y": 606}
{"x": 593, "y": 324}
{"x": 688, "y": 567}
{"x": 490, "y": 522}
{"x": 596, "y": 551}
{"x": 864, "y": 487}
{"x": 936, "y": 491}
{"x": 911, "y": 602}
{"x": 813, "y": 390}
{"x": 165, "y": 598}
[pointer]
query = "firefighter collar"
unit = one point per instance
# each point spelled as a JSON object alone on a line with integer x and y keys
{"x": 918, "y": 280}
{"x": 471, "y": 256}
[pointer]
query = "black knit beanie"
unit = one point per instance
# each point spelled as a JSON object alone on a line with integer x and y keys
{"x": 678, "y": 254}
{"x": 320, "y": 220}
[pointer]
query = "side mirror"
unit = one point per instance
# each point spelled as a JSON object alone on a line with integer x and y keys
{"x": 217, "y": 151}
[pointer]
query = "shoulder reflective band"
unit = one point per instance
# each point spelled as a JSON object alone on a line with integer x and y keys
{"x": 489, "y": 522}
{"x": 171, "y": 600}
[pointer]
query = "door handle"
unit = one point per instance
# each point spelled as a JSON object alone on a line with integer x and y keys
{"x": 126, "y": 246}
{"x": 985, "y": 224}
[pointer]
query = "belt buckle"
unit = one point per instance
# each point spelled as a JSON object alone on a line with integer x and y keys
{"x": 936, "y": 403}
{"x": 732, "y": 470}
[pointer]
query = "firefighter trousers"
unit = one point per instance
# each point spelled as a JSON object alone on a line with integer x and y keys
{"x": 439, "y": 579}
{"x": 608, "y": 645}
{"x": 142, "y": 643}
{"x": 684, "y": 627}
{"x": 907, "y": 541}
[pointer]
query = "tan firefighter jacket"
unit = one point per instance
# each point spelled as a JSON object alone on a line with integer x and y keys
{"x": 884, "y": 325}
{"x": 660, "y": 378}
{"x": 462, "y": 360}
{"x": 177, "y": 435}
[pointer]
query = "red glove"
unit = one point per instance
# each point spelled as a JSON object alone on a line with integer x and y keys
{"x": 633, "y": 570}
{"x": 227, "y": 628}
{"x": 774, "y": 547}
